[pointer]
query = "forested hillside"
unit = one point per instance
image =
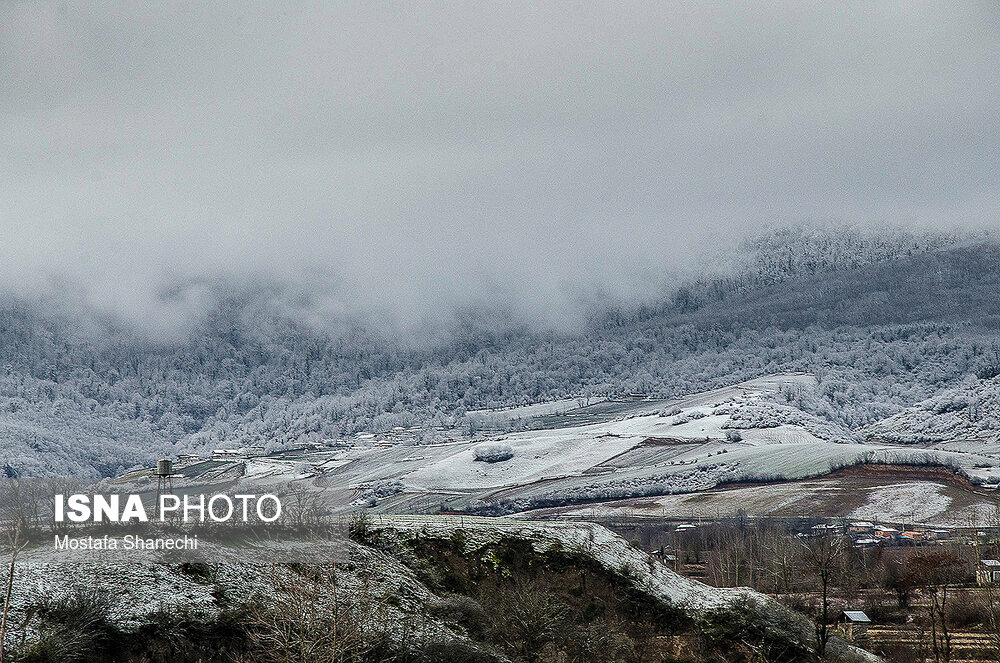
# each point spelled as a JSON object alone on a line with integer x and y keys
{"x": 884, "y": 321}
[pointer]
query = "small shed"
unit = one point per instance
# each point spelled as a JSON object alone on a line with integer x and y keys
{"x": 223, "y": 454}
{"x": 988, "y": 572}
{"x": 855, "y": 625}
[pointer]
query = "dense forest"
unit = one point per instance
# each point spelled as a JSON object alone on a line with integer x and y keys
{"x": 884, "y": 321}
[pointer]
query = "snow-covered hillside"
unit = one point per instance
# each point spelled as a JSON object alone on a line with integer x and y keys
{"x": 970, "y": 411}
{"x": 883, "y": 322}
{"x": 140, "y": 588}
{"x": 750, "y": 432}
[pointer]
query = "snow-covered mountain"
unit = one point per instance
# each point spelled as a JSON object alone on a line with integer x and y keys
{"x": 882, "y": 321}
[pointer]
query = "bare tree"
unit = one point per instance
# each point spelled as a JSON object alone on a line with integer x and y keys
{"x": 778, "y": 557}
{"x": 23, "y": 503}
{"x": 302, "y": 506}
{"x": 761, "y": 555}
{"x": 310, "y": 623}
{"x": 937, "y": 570}
{"x": 16, "y": 546}
{"x": 528, "y": 618}
{"x": 991, "y": 592}
{"x": 823, "y": 558}
{"x": 992, "y": 613}
{"x": 900, "y": 580}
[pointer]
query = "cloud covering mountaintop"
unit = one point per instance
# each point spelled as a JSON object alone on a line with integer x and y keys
{"x": 407, "y": 159}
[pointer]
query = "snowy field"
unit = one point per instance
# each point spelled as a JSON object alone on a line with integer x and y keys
{"x": 919, "y": 502}
{"x": 534, "y": 410}
{"x": 910, "y": 501}
{"x": 658, "y": 450}
{"x": 537, "y": 456}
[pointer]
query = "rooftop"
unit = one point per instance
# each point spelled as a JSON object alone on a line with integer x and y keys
{"x": 855, "y": 616}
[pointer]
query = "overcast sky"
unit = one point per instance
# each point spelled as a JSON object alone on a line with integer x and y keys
{"x": 408, "y": 156}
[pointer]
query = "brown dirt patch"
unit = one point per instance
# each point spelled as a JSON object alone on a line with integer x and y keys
{"x": 924, "y": 473}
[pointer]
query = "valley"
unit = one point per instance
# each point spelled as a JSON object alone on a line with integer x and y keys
{"x": 707, "y": 455}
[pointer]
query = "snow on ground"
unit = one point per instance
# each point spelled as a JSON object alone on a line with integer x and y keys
{"x": 700, "y": 469}
{"x": 773, "y": 499}
{"x": 532, "y": 410}
{"x": 710, "y": 426}
{"x": 678, "y": 448}
{"x": 607, "y": 548}
{"x": 599, "y": 461}
{"x": 566, "y": 453}
{"x": 784, "y": 434}
{"x": 559, "y": 467}
{"x": 139, "y": 585}
{"x": 982, "y": 447}
{"x": 881, "y": 499}
{"x": 536, "y": 455}
{"x": 276, "y": 469}
{"x": 910, "y": 501}
{"x": 776, "y": 382}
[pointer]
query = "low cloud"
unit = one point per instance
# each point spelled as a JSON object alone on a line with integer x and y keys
{"x": 405, "y": 160}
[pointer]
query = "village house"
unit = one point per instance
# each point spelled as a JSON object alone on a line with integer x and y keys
{"x": 854, "y": 624}
{"x": 988, "y": 572}
{"x": 226, "y": 454}
{"x": 664, "y": 556}
{"x": 861, "y": 527}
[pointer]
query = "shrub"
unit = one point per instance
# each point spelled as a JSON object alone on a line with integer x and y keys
{"x": 70, "y": 627}
{"x": 198, "y": 571}
{"x": 453, "y": 651}
{"x": 493, "y": 453}
{"x": 462, "y": 610}
{"x": 968, "y": 610}
{"x": 359, "y": 528}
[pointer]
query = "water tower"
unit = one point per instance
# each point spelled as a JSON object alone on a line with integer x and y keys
{"x": 164, "y": 478}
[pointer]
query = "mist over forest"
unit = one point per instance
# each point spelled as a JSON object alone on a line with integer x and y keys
{"x": 230, "y": 224}
{"x": 884, "y": 319}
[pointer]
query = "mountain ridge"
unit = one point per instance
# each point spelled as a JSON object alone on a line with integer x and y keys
{"x": 884, "y": 324}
